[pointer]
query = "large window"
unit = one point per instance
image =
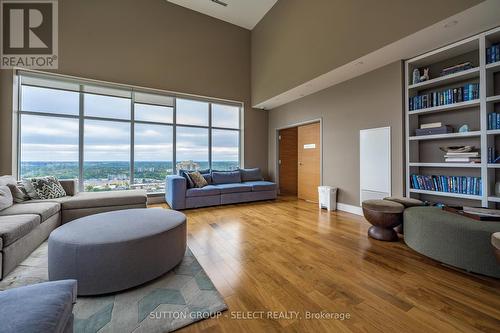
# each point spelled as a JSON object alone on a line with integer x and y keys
{"x": 112, "y": 137}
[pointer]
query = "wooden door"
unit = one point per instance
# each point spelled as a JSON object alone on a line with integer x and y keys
{"x": 288, "y": 161}
{"x": 309, "y": 162}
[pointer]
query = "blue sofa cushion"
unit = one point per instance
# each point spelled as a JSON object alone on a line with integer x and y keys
{"x": 227, "y": 177}
{"x": 202, "y": 192}
{"x": 189, "y": 182}
{"x": 261, "y": 185}
{"x": 43, "y": 307}
{"x": 233, "y": 188}
{"x": 248, "y": 175}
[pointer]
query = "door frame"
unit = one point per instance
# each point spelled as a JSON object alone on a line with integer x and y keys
{"x": 277, "y": 148}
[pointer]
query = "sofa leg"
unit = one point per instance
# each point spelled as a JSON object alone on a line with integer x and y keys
{"x": 382, "y": 234}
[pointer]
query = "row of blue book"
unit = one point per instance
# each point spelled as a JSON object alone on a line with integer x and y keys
{"x": 468, "y": 92}
{"x": 449, "y": 184}
{"x": 493, "y": 121}
{"x": 493, "y": 53}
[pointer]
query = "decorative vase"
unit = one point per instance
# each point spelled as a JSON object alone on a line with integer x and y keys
{"x": 497, "y": 189}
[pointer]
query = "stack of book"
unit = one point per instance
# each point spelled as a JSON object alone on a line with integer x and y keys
{"x": 465, "y": 93}
{"x": 433, "y": 128}
{"x": 493, "y": 120}
{"x": 493, "y": 53}
{"x": 468, "y": 157}
{"x": 448, "y": 184}
{"x": 457, "y": 68}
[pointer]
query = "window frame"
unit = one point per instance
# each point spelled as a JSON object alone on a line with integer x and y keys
{"x": 19, "y": 74}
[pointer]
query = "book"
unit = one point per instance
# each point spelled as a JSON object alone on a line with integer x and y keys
{"x": 431, "y": 125}
{"x": 462, "y": 160}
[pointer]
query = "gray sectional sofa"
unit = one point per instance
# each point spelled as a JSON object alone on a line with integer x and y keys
{"x": 224, "y": 187}
{"x": 26, "y": 225}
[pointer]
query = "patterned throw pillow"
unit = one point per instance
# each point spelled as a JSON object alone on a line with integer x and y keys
{"x": 198, "y": 179}
{"x": 44, "y": 188}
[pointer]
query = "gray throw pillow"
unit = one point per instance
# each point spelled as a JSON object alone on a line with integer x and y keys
{"x": 18, "y": 192}
{"x": 6, "y": 199}
{"x": 44, "y": 188}
{"x": 248, "y": 175}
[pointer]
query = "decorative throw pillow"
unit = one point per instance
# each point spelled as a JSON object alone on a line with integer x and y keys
{"x": 18, "y": 192}
{"x": 44, "y": 188}
{"x": 6, "y": 199}
{"x": 198, "y": 179}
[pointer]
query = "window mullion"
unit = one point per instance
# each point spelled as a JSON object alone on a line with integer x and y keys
{"x": 81, "y": 138}
{"x": 210, "y": 136}
{"x": 132, "y": 138}
{"x": 174, "y": 139}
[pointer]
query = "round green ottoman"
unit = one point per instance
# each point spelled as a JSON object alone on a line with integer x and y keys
{"x": 452, "y": 239}
{"x": 384, "y": 215}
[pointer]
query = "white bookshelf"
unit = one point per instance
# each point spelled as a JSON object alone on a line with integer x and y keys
{"x": 422, "y": 156}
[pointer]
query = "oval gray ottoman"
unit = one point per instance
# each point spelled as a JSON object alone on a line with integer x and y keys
{"x": 117, "y": 250}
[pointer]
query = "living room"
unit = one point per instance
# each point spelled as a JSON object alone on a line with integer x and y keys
{"x": 271, "y": 165}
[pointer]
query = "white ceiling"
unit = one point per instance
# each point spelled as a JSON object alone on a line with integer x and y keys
{"x": 244, "y": 13}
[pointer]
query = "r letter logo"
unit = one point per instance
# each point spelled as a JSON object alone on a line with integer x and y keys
{"x": 29, "y": 34}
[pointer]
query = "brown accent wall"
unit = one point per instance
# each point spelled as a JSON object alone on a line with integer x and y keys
{"x": 368, "y": 101}
{"x": 298, "y": 40}
{"x": 156, "y": 44}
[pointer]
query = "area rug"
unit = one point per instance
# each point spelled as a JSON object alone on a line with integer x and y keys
{"x": 181, "y": 297}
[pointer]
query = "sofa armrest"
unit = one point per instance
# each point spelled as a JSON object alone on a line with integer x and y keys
{"x": 175, "y": 192}
{"x": 70, "y": 186}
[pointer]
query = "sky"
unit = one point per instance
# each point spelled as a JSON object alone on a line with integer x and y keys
{"x": 56, "y": 139}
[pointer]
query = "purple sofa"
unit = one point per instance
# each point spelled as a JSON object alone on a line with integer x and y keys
{"x": 225, "y": 187}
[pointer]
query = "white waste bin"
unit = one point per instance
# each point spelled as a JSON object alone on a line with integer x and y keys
{"x": 327, "y": 197}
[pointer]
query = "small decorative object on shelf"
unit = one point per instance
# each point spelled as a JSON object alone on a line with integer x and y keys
{"x": 416, "y": 76}
{"x": 497, "y": 189}
{"x": 493, "y": 53}
{"x": 456, "y": 68}
{"x": 425, "y": 77}
{"x": 464, "y": 128}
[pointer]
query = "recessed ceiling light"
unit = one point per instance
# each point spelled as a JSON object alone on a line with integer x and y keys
{"x": 451, "y": 24}
{"x": 219, "y": 2}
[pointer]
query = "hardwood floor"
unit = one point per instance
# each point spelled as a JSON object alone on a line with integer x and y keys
{"x": 288, "y": 256}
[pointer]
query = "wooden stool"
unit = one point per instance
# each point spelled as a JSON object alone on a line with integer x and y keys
{"x": 384, "y": 215}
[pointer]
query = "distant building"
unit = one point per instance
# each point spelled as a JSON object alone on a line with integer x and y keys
{"x": 187, "y": 165}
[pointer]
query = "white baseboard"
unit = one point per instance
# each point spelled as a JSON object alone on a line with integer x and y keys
{"x": 350, "y": 209}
